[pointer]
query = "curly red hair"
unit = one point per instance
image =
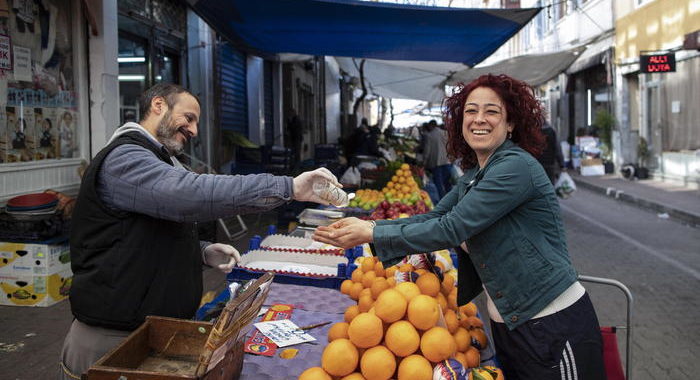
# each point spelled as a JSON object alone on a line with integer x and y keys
{"x": 523, "y": 110}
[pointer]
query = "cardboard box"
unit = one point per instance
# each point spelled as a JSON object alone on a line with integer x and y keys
{"x": 31, "y": 290}
{"x": 591, "y": 162}
{"x": 24, "y": 259}
{"x": 590, "y": 170}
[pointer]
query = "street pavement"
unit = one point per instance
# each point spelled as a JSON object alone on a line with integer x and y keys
{"x": 656, "y": 257}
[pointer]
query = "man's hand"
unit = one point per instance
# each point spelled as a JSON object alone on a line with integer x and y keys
{"x": 304, "y": 182}
{"x": 345, "y": 233}
{"x": 222, "y": 256}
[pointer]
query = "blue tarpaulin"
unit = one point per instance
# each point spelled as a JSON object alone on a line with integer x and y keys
{"x": 363, "y": 29}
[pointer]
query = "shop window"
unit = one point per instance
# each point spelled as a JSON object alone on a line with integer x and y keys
{"x": 38, "y": 92}
{"x": 145, "y": 58}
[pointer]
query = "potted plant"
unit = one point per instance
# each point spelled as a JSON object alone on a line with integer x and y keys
{"x": 642, "y": 156}
{"x": 605, "y": 122}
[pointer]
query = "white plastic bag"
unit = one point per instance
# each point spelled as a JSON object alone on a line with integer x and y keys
{"x": 565, "y": 186}
{"x": 351, "y": 176}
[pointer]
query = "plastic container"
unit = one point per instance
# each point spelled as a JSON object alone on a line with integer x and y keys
{"x": 331, "y": 193}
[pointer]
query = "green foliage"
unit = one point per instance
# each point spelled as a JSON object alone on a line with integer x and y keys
{"x": 233, "y": 139}
{"x": 643, "y": 152}
{"x": 605, "y": 122}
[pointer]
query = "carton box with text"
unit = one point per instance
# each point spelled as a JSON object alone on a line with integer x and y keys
{"x": 33, "y": 259}
{"x": 35, "y": 290}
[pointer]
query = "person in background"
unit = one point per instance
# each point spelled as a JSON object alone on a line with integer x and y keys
{"x": 504, "y": 221}
{"x": 435, "y": 157}
{"x": 133, "y": 244}
{"x": 551, "y": 157}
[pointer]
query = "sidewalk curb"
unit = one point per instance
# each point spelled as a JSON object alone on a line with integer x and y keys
{"x": 677, "y": 214}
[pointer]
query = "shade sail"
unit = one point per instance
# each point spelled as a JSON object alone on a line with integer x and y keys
{"x": 363, "y": 29}
{"x": 535, "y": 69}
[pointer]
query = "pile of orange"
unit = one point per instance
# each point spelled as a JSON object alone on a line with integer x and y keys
{"x": 401, "y": 331}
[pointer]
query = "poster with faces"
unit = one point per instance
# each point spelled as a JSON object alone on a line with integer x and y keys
{"x": 45, "y": 133}
{"x": 66, "y": 124}
{"x": 17, "y": 144}
{"x": 3, "y": 135}
{"x": 27, "y": 123}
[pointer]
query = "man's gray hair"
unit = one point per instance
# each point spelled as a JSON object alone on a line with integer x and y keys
{"x": 167, "y": 91}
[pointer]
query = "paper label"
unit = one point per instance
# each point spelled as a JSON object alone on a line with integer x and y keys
{"x": 283, "y": 332}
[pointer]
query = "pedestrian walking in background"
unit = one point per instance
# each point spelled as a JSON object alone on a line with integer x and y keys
{"x": 134, "y": 246}
{"x": 435, "y": 157}
{"x": 551, "y": 157}
{"x": 503, "y": 219}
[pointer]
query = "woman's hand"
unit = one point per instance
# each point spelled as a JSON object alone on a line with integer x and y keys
{"x": 345, "y": 233}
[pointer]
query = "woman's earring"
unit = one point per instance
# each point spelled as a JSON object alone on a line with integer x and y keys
{"x": 510, "y": 135}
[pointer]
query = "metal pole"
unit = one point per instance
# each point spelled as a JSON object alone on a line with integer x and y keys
{"x": 630, "y": 300}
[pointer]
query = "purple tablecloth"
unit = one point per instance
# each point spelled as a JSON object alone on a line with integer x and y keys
{"x": 311, "y": 305}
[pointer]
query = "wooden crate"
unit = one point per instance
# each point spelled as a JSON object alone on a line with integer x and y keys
{"x": 168, "y": 348}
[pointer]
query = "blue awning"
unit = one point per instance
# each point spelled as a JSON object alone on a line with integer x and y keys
{"x": 363, "y": 29}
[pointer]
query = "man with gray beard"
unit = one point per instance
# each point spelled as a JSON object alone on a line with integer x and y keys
{"x": 134, "y": 246}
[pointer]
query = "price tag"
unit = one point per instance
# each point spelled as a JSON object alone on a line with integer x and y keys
{"x": 283, "y": 332}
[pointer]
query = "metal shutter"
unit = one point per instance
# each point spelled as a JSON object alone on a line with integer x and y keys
{"x": 269, "y": 104}
{"x": 233, "y": 101}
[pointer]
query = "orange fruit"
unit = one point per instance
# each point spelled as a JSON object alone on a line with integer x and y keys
{"x": 389, "y": 272}
{"x": 459, "y": 356}
{"x": 415, "y": 367}
{"x": 421, "y": 271}
{"x": 345, "y": 286}
{"x": 367, "y": 278}
{"x": 480, "y": 336}
{"x": 366, "y": 330}
{"x": 405, "y": 166}
{"x": 356, "y": 275}
{"x": 365, "y": 303}
{"x": 463, "y": 339}
{"x": 442, "y": 301}
{"x": 378, "y": 363}
{"x": 314, "y": 373}
{"x": 368, "y": 264}
{"x": 379, "y": 269}
{"x": 440, "y": 265}
{"x": 339, "y": 358}
{"x": 408, "y": 289}
{"x": 354, "y": 376}
{"x": 406, "y": 268}
{"x": 429, "y": 284}
{"x": 355, "y": 290}
{"x": 338, "y": 331}
{"x": 451, "y": 321}
{"x": 473, "y": 357}
{"x": 390, "y": 306}
{"x": 351, "y": 312}
{"x": 437, "y": 344}
{"x": 448, "y": 283}
{"x": 391, "y": 281}
{"x": 365, "y": 292}
{"x": 475, "y": 322}
{"x": 452, "y": 301}
{"x": 402, "y": 338}
{"x": 468, "y": 309}
{"x": 379, "y": 285}
{"x": 423, "y": 312}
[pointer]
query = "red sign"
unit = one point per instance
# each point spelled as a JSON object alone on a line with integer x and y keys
{"x": 657, "y": 63}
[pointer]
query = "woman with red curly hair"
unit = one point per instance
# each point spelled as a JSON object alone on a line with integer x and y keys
{"x": 503, "y": 219}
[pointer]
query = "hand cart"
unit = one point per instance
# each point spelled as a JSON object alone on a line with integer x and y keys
{"x": 611, "y": 355}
